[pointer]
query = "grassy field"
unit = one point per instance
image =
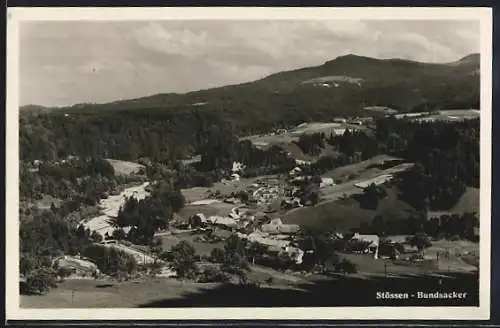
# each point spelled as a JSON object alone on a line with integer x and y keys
{"x": 125, "y": 167}
{"x": 207, "y": 210}
{"x": 112, "y": 294}
{"x": 336, "y": 290}
{"x": 292, "y": 135}
{"x": 345, "y": 214}
{"x": 468, "y": 202}
{"x": 224, "y": 187}
{"x": 361, "y": 170}
{"x": 108, "y": 294}
{"x": 202, "y": 248}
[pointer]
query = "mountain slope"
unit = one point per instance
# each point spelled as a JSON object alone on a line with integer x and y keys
{"x": 342, "y": 86}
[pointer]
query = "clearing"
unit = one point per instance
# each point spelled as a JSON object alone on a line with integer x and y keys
{"x": 125, "y": 167}
{"x": 365, "y": 169}
{"x": 266, "y": 140}
{"x": 202, "y": 248}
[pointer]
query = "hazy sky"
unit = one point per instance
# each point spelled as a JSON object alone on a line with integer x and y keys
{"x": 63, "y": 63}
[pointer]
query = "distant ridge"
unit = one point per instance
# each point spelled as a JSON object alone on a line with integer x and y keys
{"x": 342, "y": 86}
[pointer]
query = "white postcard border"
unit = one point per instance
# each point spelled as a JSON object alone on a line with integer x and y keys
{"x": 16, "y": 15}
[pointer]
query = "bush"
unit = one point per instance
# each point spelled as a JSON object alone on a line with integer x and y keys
{"x": 119, "y": 234}
{"x": 347, "y": 267}
{"x": 110, "y": 260}
{"x": 40, "y": 281}
{"x": 212, "y": 274}
{"x": 183, "y": 259}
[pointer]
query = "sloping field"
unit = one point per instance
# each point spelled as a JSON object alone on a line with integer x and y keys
{"x": 343, "y": 215}
{"x": 140, "y": 257}
{"x": 469, "y": 202}
{"x": 357, "y": 169}
{"x": 305, "y": 128}
{"x": 450, "y": 115}
{"x": 125, "y": 167}
{"x": 93, "y": 294}
{"x": 202, "y": 248}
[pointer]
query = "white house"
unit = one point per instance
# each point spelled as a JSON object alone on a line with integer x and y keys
{"x": 373, "y": 242}
{"x": 295, "y": 171}
{"x": 237, "y": 167}
{"x": 277, "y": 227}
{"x": 326, "y": 182}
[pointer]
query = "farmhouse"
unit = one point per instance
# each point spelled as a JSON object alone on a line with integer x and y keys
{"x": 365, "y": 244}
{"x": 325, "y": 182}
{"x": 277, "y": 227}
{"x": 295, "y": 171}
{"x": 275, "y": 245}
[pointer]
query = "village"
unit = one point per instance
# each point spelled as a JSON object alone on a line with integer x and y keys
{"x": 252, "y": 209}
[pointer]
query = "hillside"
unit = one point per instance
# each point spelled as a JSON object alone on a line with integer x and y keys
{"x": 342, "y": 86}
{"x": 344, "y": 215}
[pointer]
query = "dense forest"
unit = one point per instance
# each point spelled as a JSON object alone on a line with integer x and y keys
{"x": 446, "y": 157}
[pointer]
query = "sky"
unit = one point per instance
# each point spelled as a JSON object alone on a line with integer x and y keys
{"x": 69, "y": 62}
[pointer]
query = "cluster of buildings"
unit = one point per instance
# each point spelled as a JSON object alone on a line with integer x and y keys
{"x": 255, "y": 227}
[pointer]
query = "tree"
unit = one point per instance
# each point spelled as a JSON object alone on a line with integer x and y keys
{"x": 183, "y": 255}
{"x": 41, "y": 280}
{"x": 236, "y": 264}
{"x": 256, "y": 250}
{"x": 217, "y": 255}
{"x": 156, "y": 246}
{"x": 421, "y": 241}
{"x": 27, "y": 263}
{"x": 96, "y": 237}
{"x": 235, "y": 245}
{"x": 119, "y": 234}
{"x": 211, "y": 274}
{"x": 379, "y": 225}
{"x": 371, "y": 196}
{"x": 347, "y": 267}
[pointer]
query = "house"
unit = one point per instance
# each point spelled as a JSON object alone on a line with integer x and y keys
{"x": 275, "y": 245}
{"x": 237, "y": 167}
{"x": 291, "y": 203}
{"x": 197, "y": 220}
{"x": 277, "y": 227}
{"x": 223, "y": 222}
{"x": 365, "y": 244}
{"x": 295, "y": 171}
{"x": 326, "y": 182}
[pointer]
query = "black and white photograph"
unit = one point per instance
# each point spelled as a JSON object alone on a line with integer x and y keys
{"x": 259, "y": 163}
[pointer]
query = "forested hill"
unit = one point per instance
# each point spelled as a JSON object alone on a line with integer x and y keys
{"x": 342, "y": 86}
